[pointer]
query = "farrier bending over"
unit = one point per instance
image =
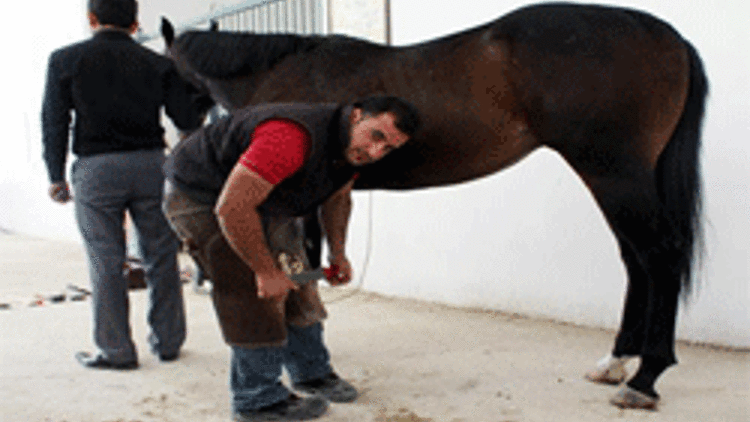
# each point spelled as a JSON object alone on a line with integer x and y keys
{"x": 237, "y": 193}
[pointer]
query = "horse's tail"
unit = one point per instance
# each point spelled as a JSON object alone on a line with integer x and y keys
{"x": 678, "y": 175}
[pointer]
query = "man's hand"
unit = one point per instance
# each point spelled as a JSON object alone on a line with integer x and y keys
{"x": 274, "y": 286}
{"x": 344, "y": 275}
{"x": 59, "y": 192}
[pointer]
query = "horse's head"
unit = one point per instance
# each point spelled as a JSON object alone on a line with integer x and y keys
{"x": 173, "y": 52}
{"x": 167, "y": 31}
{"x": 201, "y": 93}
{"x": 232, "y": 66}
{"x": 197, "y": 57}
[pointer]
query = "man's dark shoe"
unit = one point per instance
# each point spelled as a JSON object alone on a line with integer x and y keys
{"x": 331, "y": 387}
{"x": 100, "y": 362}
{"x": 294, "y": 408}
{"x": 169, "y": 357}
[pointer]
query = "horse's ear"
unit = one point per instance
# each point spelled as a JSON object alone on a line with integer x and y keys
{"x": 167, "y": 31}
{"x": 214, "y": 26}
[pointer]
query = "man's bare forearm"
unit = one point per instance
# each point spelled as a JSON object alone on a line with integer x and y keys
{"x": 245, "y": 234}
{"x": 335, "y": 217}
{"x": 239, "y": 220}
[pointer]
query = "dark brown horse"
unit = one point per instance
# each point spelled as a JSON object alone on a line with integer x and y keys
{"x": 617, "y": 93}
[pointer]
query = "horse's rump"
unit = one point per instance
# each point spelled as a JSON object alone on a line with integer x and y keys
{"x": 588, "y": 73}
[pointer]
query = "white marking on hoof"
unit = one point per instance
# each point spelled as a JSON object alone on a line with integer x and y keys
{"x": 609, "y": 370}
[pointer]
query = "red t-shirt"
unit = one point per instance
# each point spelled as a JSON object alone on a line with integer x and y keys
{"x": 279, "y": 147}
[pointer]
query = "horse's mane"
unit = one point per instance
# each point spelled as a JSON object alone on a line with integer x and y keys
{"x": 224, "y": 55}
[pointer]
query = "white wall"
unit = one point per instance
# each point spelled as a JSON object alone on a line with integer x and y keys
{"x": 530, "y": 239}
{"x": 359, "y": 18}
{"x": 25, "y": 206}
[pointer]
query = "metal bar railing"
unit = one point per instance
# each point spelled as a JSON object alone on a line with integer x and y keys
{"x": 294, "y": 16}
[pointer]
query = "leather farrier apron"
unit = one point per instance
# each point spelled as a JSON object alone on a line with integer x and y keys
{"x": 245, "y": 319}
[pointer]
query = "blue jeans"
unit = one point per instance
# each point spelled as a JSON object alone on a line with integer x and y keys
{"x": 104, "y": 187}
{"x": 255, "y": 374}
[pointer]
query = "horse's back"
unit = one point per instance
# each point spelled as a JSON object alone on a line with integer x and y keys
{"x": 338, "y": 69}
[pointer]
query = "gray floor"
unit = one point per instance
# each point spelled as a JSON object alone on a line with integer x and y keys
{"x": 413, "y": 361}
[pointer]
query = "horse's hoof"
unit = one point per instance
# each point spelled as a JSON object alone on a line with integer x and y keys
{"x": 607, "y": 376}
{"x": 609, "y": 370}
{"x": 628, "y": 398}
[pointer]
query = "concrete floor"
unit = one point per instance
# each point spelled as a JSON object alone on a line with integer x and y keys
{"x": 413, "y": 361}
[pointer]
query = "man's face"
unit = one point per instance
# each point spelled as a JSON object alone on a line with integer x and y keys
{"x": 372, "y": 137}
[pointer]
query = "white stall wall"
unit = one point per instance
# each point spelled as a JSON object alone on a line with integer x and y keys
{"x": 530, "y": 239}
{"x": 359, "y": 18}
{"x": 25, "y": 206}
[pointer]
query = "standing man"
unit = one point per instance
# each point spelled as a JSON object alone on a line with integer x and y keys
{"x": 116, "y": 89}
{"x": 240, "y": 192}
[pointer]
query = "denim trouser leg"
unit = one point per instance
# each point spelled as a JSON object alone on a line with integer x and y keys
{"x": 305, "y": 356}
{"x": 255, "y": 377}
{"x": 255, "y": 373}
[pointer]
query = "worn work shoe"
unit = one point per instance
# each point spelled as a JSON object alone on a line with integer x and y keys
{"x": 169, "y": 357}
{"x": 100, "y": 362}
{"x": 331, "y": 387}
{"x": 294, "y": 408}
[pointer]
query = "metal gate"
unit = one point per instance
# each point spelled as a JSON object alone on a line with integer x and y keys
{"x": 261, "y": 16}
{"x": 289, "y": 16}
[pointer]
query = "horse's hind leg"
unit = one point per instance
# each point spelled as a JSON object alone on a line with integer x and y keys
{"x": 612, "y": 369}
{"x": 631, "y": 205}
{"x": 629, "y": 341}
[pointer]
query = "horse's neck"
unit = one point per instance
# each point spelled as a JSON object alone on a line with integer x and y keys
{"x": 232, "y": 94}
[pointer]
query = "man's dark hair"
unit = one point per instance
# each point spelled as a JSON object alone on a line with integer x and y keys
{"x": 407, "y": 116}
{"x": 120, "y": 13}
